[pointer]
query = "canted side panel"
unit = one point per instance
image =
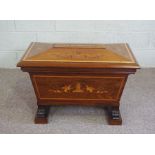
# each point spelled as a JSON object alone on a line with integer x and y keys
{"x": 78, "y": 87}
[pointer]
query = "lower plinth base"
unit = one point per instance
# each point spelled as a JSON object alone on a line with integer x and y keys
{"x": 114, "y": 116}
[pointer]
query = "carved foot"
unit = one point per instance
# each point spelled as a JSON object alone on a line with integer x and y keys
{"x": 114, "y": 116}
{"x": 42, "y": 115}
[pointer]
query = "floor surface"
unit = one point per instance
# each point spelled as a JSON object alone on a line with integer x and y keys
{"x": 18, "y": 107}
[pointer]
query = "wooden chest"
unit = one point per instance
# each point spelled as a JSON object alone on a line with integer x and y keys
{"x": 78, "y": 74}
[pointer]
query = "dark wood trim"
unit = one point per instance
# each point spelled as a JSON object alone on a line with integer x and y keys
{"x": 42, "y": 115}
{"x": 90, "y": 71}
{"x": 114, "y": 115}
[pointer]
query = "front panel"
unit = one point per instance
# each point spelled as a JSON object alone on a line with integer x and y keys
{"x": 61, "y": 88}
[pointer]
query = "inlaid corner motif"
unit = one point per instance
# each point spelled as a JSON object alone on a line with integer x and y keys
{"x": 65, "y": 87}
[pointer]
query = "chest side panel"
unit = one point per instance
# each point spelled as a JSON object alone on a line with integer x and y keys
{"x": 59, "y": 88}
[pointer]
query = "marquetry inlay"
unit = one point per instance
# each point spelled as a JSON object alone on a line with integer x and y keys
{"x": 77, "y": 88}
{"x": 84, "y": 87}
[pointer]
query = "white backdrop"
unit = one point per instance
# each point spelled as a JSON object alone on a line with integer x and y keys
{"x": 15, "y": 36}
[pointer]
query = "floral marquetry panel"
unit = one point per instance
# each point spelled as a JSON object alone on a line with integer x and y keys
{"x": 78, "y": 87}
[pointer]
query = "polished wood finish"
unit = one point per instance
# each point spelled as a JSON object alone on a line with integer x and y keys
{"x": 102, "y": 88}
{"x": 78, "y": 56}
{"x": 78, "y": 74}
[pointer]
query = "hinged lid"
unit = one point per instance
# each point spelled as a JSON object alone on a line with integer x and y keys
{"x": 78, "y": 55}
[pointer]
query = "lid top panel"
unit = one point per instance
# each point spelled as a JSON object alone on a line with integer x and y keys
{"x": 45, "y": 54}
